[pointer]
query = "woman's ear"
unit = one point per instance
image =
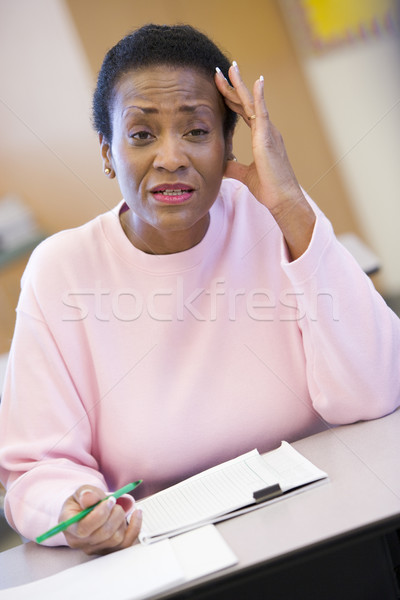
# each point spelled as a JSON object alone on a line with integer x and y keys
{"x": 229, "y": 146}
{"x": 105, "y": 148}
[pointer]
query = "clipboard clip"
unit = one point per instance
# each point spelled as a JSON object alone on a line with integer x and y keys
{"x": 267, "y": 493}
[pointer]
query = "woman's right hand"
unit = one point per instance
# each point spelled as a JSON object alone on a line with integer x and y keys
{"x": 105, "y": 528}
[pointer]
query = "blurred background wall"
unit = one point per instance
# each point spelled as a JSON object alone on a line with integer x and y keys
{"x": 336, "y": 104}
{"x": 350, "y": 55}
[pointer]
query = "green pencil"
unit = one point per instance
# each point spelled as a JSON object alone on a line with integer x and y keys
{"x": 64, "y": 524}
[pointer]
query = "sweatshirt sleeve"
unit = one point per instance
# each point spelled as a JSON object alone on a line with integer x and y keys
{"x": 351, "y": 337}
{"x": 45, "y": 432}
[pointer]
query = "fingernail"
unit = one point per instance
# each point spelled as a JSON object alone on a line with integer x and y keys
{"x": 83, "y": 492}
{"x": 261, "y": 78}
{"x": 235, "y": 65}
{"x": 111, "y": 502}
{"x": 218, "y": 70}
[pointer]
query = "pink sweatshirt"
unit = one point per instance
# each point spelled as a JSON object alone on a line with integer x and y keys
{"x": 128, "y": 366}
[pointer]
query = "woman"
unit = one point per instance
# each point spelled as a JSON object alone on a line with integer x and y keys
{"x": 211, "y": 312}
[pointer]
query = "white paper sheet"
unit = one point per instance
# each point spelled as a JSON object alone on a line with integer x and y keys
{"x": 130, "y": 574}
{"x": 222, "y": 490}
{"x": 136, "y": 573}
{"x": 198, "y": 499}
{"x": 202, "y": 551}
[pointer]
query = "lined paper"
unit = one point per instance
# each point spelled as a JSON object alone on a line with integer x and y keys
{"x": 223, "y": 489}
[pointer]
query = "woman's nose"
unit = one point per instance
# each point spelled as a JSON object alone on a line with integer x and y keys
{"x": 170, "y": 154}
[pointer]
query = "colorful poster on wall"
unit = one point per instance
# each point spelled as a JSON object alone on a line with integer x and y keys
{"x": 331, "y": 23}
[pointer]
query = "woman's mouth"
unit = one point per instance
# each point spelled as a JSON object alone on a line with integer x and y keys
{"x": 172, "y": 194}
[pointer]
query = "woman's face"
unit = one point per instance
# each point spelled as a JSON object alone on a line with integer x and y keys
{"x": 168, "y": 153}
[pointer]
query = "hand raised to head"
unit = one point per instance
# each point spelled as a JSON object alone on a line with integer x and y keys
{"x": 270, "y": 177}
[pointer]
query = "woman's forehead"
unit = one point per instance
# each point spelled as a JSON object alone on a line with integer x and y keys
{"x": 165, "y": 85}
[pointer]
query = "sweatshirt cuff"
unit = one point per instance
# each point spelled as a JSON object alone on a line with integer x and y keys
{"x": 127, "y": 503}
{"x": 304, "y": 267}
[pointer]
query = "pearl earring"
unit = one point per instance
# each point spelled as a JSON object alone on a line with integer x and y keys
{"x": 107, "y": 171}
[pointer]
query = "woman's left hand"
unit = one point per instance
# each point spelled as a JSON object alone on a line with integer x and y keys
{"x": 270, "y": 177}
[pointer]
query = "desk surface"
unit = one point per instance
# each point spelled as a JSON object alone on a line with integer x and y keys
{"x": 362, "y": 494}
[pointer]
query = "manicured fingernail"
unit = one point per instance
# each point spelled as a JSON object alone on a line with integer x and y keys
{"x": 218, "y": 70}
{"x": 111, "y": 502}
{"x": 261, "y": 78}
{"x": 235, "y": 65}
{"x": 83, "y": 492}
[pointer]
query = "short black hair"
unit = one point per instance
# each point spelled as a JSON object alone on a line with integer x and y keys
{"x": 150, "y": 45}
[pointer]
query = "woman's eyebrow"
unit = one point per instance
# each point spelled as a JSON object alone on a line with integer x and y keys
{"x": 146, "y": 110}
{"x": 185, "y": 108}
{"x": 191, "y": 108}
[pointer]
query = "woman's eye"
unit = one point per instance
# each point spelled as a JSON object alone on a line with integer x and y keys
{"x": 141, "y": 135}
{"x": 197, "y": 132}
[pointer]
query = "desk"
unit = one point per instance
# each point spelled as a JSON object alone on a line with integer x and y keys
{"x": 325, "y": 543}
